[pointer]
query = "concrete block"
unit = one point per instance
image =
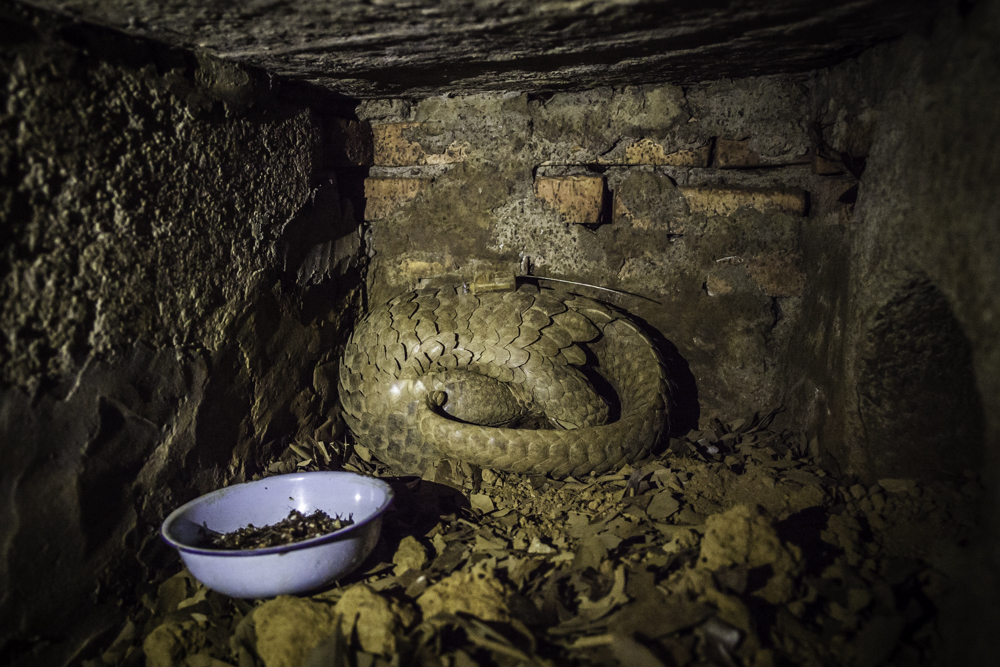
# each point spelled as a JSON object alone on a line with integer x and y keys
{"x": 726, "y": 201}
{"x": 384, "y": 195}
{"x": 393, "y": 149}
{"x": 578, "y": 199}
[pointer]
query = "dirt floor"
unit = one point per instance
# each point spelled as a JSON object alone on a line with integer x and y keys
{"x": 732, "y": 548}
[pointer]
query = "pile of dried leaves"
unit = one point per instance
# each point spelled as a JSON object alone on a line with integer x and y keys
{"x": 734, "y": 548}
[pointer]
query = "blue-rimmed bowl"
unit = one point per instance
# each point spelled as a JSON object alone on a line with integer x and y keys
{"x": 288, "y": 569}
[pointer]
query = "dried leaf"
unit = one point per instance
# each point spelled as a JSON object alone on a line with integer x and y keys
{"x": 662, "y": 506}
{"x": 658, "y": 615}
{"x": 630, "y": 652}
{"x": 590, "y": 552}
{"x": 591, "y": 611}
{"x": 481, "y": 502}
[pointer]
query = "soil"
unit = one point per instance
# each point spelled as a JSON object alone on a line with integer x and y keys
{"x": 734, "y": 547}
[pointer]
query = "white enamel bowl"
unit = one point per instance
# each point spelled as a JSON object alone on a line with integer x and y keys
{"x": 289, "y": 569}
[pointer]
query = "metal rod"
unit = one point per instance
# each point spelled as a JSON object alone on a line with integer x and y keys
{"x": 606, "y": 289}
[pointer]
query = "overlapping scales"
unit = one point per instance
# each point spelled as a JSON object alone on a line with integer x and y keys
{"x": 440, "y": 373}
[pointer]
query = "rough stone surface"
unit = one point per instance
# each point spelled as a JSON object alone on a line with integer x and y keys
{"x": 719, "y": 249}
{"x": 379, "y": 49}
{"x": 902, "y": 363}
{"x": 168, "y": 264}
{"x": 288, "y": 628}
{"x": 478, "y": 593}
{"x": 373, "y": 619}
{"x": 384, "y": 196}
{"x": 743, "y": 537}
{"x": 726, "y": 201}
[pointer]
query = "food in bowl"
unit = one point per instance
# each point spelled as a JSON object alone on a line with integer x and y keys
{"x": 299, "y": 567}
{"x": 296, "y": 527}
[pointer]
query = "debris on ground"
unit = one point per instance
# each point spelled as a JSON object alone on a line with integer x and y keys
{"x": 734, "y": 547}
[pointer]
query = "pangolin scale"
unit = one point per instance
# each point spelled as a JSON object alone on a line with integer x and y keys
{"x": 440, "y": 373}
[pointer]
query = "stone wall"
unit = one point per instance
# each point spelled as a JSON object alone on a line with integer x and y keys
{"x": 910, "y": 333}
{"x": 782, "y": 230}
{"x": 176, "y": 261}
{"x": 703, "y": 201}
{"x": 904, "y": 354}
{"x": 830, "y": 244}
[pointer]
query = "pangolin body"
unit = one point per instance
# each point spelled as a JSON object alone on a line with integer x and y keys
{"x": 441, "y": 373}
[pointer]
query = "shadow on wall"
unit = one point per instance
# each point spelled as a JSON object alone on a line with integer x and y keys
{"x": 921, "y": 413}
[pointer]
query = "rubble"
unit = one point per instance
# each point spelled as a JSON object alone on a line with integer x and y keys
{"x": 734, "y": 547}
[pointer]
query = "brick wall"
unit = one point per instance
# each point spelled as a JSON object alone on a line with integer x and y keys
{"x": 702, "y": 200}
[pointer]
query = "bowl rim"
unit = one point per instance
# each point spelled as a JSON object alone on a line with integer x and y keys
{"x": 281, "y": 548}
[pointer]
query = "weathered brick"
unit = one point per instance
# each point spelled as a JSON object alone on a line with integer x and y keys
{"x": 646, "y": 201}
{"x": 647, "y": 151}
{"x": 393, "y": 149}
{"x": 826, "y": 166}
{"x": 578, "y": 199}
{"x": 726, "y": 201}
{"x": 385, "y": 195}
{"x": 740, "y": 154}
{"x": 415, "y": 270}
{"x": 347, "y": 143}
{"x": 730, "y": 153}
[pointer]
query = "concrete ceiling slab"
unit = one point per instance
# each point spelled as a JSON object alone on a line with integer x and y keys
{"x": 417, "y": 48}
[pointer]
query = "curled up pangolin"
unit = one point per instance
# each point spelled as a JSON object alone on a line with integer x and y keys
{"x": 440, "y": 373}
